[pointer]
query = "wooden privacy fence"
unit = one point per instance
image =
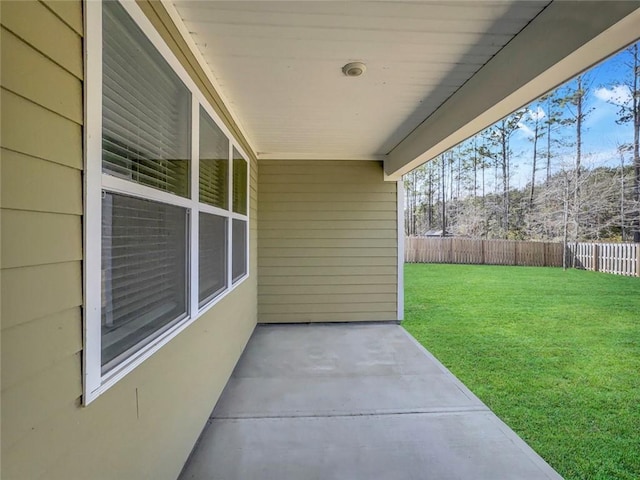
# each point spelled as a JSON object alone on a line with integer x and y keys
{"x": 617, "y": 258}
{"x": 482, "y": 252}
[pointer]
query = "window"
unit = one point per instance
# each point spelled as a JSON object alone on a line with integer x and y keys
{"x": 214, "y": 191}
{"x": 212, "y": 260}
{"x": 144, "y": 270}
{"x": 239, "y": 236}
{"x": 214, "y": 163}
{"x": 239, "y": 249}
{"x": 166, "y": 197}
{"x": 239, "y": 183}
{"x": 145, "y": 109}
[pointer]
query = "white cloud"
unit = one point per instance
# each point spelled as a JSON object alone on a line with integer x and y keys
{"x": 525, "y": 130}
{"x": 537, "y": 114}
{"x": 534, "y": 115}
{"x": 618, "y": 94}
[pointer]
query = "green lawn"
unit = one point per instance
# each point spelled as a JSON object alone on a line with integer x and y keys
{"x": 555, "y": 354}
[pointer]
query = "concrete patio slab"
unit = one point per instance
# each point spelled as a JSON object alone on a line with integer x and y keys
{"x": 353, "y": 402}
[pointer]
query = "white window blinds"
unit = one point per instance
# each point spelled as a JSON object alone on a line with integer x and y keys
{"x": 239, "y": 183}
{"x": 214, "y": 163}
{"x": 164, "y": 241}
{"x": 145, "y": 109}
{"x": 212, "y": 256}
{"x": 239, "y": 255}
{"x": 145, "y": 139}
{"x": 144, "y": 265}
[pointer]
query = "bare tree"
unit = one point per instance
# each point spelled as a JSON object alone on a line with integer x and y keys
{"x": 576, "y": 201}
{"x": 626, "y": 96}
{"x": 536, "y": 116}
{"x": 501, "y": 137}
{"x": 444, "y": 196}
{"x": 551, "y": 124}
{"x": 621, "y": 150}
{"x": 575, "y": 112}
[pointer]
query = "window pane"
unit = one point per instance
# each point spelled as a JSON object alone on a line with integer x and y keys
{"x": 214, "y": 163}
{"x": 239, "y": 183}
{"x": 145, "y": 109}
{"x": 239, "y": 238}
{"x": 144, "y": 265}
{"x": 212, "y": 256}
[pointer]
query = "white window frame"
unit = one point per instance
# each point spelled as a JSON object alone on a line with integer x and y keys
{"x": 94, "y": 381}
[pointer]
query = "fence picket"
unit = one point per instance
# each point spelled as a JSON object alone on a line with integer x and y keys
{"x": 614, "y": 258}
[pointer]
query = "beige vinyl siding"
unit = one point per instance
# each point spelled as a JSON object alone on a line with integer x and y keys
{"x": 328, "y": 242}
{"x": 145, "y": 425}
{"x": 41, "y": 185}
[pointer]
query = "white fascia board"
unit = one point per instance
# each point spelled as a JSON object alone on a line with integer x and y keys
{"x": 565, "y": 39}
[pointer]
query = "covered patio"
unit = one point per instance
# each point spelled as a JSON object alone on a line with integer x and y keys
{"x": 336, "y": 401}
{"x": 177, "y": 175}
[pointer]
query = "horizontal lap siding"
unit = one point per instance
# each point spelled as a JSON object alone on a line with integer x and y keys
{"x": 146, "y": 425}
{"x": 41, "y": 225}
{"x": 328, "y": 242}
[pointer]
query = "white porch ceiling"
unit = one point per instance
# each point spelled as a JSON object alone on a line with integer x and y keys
{"x": 278, "y": 66}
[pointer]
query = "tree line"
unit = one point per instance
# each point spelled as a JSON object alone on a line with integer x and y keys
{"x": 567, "y": 197}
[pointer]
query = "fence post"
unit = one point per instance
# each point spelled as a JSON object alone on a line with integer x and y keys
{"x": 638, "y": 259}
{"x": 596, "y": 254}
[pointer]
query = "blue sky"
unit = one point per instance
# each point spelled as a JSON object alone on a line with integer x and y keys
{"x": 601, "y": 134}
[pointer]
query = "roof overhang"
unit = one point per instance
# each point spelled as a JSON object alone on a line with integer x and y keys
{"x": 564, "y": 40}
{"x": 437, "y": 72}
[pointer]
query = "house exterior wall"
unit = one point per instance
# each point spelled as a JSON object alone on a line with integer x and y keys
{"x": 328, "y": 247}
{"x": 146, "y": 424}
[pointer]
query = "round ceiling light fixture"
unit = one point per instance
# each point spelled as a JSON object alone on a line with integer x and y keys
{"x": 354, "y": 69}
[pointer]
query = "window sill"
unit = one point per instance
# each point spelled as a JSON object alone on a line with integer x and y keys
{"x": 117, "y": 373}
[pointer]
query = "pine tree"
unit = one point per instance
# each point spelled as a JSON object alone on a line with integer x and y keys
{"x": 628, "y": 102}
{"x": 575, "y": 112}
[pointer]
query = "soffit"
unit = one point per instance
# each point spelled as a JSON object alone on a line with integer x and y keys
{"x": 278, "y": 66}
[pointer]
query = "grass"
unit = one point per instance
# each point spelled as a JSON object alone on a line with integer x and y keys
{"x": 555, "y": 354}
